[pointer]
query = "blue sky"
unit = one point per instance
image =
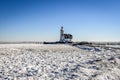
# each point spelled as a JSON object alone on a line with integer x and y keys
{"x": 40, "y": 20}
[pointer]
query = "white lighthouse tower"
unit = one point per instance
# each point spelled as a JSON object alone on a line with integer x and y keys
{"x": 61, "y": 34}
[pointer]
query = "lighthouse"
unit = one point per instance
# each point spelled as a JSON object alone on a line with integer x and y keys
{"x": 65, "y": 37}
{"x": 61, "y": 34}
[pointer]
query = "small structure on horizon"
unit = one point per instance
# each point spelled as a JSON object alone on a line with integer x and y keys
{"x": 65, "y": 37}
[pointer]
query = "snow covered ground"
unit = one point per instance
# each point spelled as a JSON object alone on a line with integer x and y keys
{"x": 58, "y": 62}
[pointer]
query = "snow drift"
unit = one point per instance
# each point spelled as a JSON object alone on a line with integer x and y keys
{"x": 58, "y": 62}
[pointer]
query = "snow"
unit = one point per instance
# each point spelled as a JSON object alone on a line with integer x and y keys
{"x": 58, "y": 62}
{"x": 115, "y": 46}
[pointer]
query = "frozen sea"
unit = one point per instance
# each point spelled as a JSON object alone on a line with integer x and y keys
{"x": 115, "y": 46}
{"x": 58, "y": 62}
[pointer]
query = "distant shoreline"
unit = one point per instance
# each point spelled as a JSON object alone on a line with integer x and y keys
{"x": 81, "y": 42}
{"x": 29, "y": 42}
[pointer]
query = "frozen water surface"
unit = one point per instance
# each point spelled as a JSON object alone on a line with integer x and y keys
{"x": 58, "y": 62}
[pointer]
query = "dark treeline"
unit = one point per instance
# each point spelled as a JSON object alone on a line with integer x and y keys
{"x": 97, "y": 43}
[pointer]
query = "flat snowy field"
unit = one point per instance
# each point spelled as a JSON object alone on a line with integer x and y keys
{"x": 58, "y": 62}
